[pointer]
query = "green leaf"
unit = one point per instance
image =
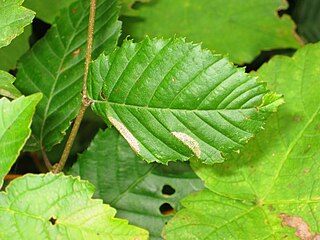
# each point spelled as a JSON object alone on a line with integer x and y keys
{"x": 6, "y": 86}
{"x": 136, "y": 189}
{"x": 171, "y": 100}
{"x": 274, "y": 186}
{"x": 127, "y": 7}
{"x": 13, "y": 18}
{"x": 241, "y": 29}
{"x": 9, "y": 55}
{"x": 55, "y": 66}
{"x": 59, "y": 207}
{"x": 306, "y": 15}
{"x": 45, "y": 13}
{"x": 15, "y": 121}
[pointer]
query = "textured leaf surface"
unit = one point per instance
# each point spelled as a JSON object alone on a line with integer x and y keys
{"x": 59, "y": 207}
{"x": 55, "y": 67}
{"x": 13, "y": 18}
{"x": 45, "y": 13}
{"x": 136, "y": 189}
{"x": 9, "y": 55}
{"x": 6, "y": 86}
{"x": 307, "y": 16}
{"x": 273, "y": 189}
{"x": 15, "y": 121}
{"x": 171, "y": 100}
{"x": 240, "y": 29}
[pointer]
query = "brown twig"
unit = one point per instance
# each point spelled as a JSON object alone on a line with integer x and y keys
{"x": 10, "y": 177}
{"x": 46, "y": 159}
{"x": 40, "y": 165}
{"x": 85, "y": 100}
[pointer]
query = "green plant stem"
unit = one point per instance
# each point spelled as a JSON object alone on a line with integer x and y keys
{"x": 85, "y": 100}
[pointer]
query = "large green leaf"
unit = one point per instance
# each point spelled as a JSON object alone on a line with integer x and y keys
{"x": 45, "y": 13}
{"x": 306, "y": 15}
{"x": 13, "y": 18}
{"x": 15, "y": 121}
{"x": 59, "y": 207}
{"x": 55, "y": 66}
{"x": 6, "y": 86}
{"x": 275, "y": 185}
{"x": 171, "y": 100}
{"x": 136, "y": 189}
{"x": 239, "y": 28}
{"x": 9, "y": 55}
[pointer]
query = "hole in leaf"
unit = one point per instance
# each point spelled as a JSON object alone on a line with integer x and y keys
{"x": 166, "y": 209}
{"x": 167, "y": 190}
{"x": 53, "y": 220}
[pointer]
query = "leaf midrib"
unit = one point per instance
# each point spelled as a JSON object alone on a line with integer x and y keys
{"x": 171, "y": 109}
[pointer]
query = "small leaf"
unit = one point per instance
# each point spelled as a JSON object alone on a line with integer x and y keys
{"x": 239, "y": 28}
{"x": 6, "y": 86}
{"x": 171, "y": 100}
{"x": 59, "y": 207}
{"x": 274, "y": 186}
{"x": 55, "y": 66}
{"x": 136, "y": 189}
{"x": 13, "y": 18}
{"x": 15, "y": 121}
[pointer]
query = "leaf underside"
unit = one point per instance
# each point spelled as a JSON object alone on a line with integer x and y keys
{"x": 171, "y": 100}
{"x": 13, "y": 18}
{"x": 59, "y": 207}
{"x": 239, "y": 28}
{"x": 273, "y": 190}
{"x": 136, "y": 189}
{"x": 55, "y": 67}
{"x": 15, "y": 121}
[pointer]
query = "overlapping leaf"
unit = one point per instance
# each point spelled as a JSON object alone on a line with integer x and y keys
{"x": 15, "y": 121}
{"x": 59, "y": 207}
{"x": 45, "y": 13}
{"x": 136, "y": 189}
{"x": 13, "y": 18}
{"x": 9, "y": 55}
{"x": 6, "y": 86}
{"x": 273, "y": 190}
{"x": 172, "y": 100}
{"x": 239, "y": 28}
{"x": 54, "y": 66}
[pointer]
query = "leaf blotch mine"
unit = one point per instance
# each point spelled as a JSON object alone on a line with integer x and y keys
{"x": 133, "y": 142}
{"x": 302, "y": 228}
{"x": 189, "y": 142}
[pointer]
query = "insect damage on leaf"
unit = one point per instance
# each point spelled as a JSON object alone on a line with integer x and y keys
{"x": 190, "y": 142}
{"x": 133, "y": 142}
{"x": 302, "y": 228}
